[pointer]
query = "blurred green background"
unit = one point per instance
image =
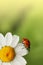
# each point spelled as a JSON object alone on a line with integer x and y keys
{"x": 24, "y": 18}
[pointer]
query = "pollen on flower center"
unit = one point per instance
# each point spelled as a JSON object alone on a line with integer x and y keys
{"x": 7, "y": 54}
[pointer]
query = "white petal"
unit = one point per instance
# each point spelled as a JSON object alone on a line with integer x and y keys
{"x": 16, "y": 63}
{"x": 6, "y": 63}
{"x": 2, "y": 40}
{"x": 21, "y": 50}
{"x": 0, "y": 62}
{"x": 19, "y": 61}
{"x": 15, "y": 41}
{"x": 8, "y": 38}
{"x": 0, "y": 46}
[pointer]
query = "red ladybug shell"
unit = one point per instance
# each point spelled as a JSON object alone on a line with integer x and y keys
{"x": 26, "y": 42}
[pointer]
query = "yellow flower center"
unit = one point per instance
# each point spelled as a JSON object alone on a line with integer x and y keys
{"x": 7, "y": 54}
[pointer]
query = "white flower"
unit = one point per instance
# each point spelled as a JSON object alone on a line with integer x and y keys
{"x": 19, "y": 48}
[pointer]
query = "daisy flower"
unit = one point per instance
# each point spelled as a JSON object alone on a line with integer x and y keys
{"x": 11, "y": 51}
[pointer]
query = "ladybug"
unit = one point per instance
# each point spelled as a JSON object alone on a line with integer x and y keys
{"x": 26, "y": 42}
